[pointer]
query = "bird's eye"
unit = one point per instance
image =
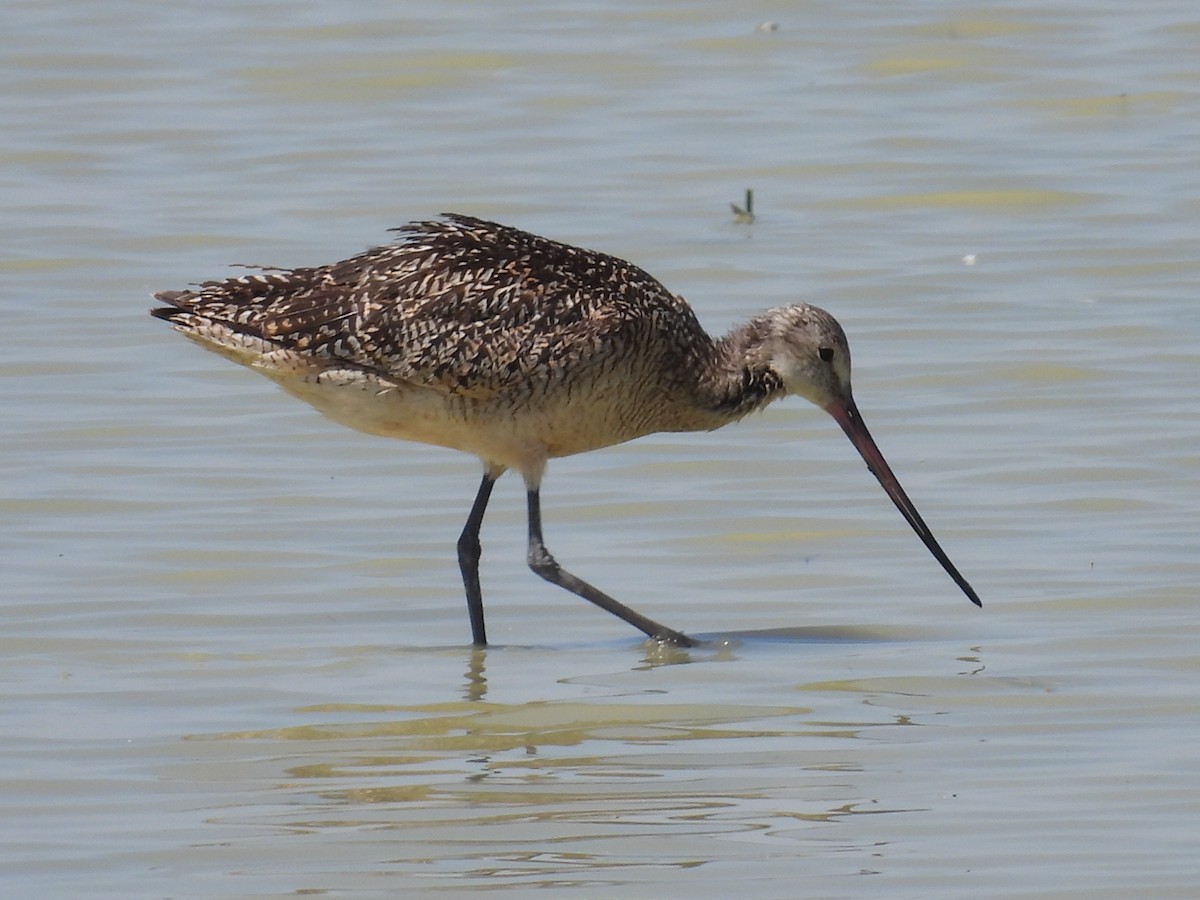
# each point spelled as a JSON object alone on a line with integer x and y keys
{"x": 826, "y": 354}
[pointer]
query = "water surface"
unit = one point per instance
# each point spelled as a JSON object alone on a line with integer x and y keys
{"x": 233, "y": 642}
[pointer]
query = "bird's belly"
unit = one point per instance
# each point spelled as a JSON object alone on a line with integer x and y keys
{"x": 519, "y": 433}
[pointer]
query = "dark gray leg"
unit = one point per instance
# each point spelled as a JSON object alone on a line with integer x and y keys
{"x": 468, "y": 558}
{"x": 545, "y": 565}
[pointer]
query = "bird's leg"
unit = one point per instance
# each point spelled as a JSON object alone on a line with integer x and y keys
{"x": 468, "y": 556}
{"x": 545, "y": 565}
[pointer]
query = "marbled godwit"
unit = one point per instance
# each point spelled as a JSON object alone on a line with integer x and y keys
{"x": 518, "y": 349}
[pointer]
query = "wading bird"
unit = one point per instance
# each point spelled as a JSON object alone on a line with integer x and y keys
{"x": 518, "y": 349}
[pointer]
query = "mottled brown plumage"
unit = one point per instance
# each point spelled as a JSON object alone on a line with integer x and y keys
{"x": 518, "y": 349}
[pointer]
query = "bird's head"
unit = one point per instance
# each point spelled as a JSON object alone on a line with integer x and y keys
{"x": 807, "y": 349}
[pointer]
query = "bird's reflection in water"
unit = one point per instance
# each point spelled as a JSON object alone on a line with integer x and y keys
{"x": 475, "y": 687}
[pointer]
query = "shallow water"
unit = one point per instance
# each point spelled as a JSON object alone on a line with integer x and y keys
{"x": 233, "y": 643}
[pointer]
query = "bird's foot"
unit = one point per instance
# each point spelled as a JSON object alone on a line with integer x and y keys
{"x": 675, "y": 638}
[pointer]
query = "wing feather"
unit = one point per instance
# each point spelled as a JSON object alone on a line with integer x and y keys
{"x": 459, "y": 305}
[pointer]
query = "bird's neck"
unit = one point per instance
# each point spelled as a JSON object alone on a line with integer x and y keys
{"x": 737, "y": 377}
